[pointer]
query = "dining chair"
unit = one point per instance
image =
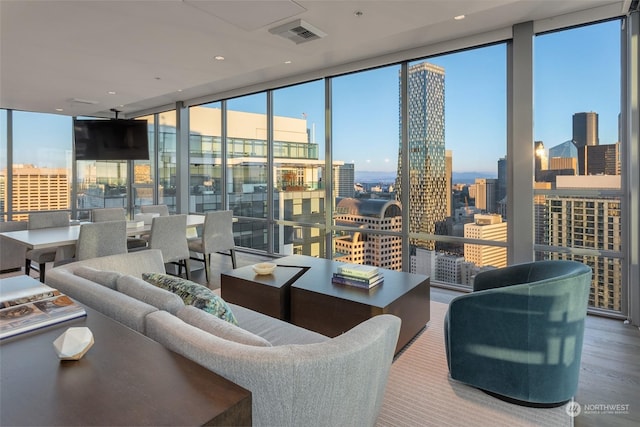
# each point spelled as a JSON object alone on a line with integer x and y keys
{"x": 118, "y": 214}
{"x": 163, "y": 210}
{"x": 13, "y": 253}
{"x": 38, "y": 220}
{"x": 168, "y": 233}
{"x": 217, "y": 237}
{"x": 100, "y": 239}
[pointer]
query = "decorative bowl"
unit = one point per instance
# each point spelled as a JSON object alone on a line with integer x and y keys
{"x": 264, "y": 267}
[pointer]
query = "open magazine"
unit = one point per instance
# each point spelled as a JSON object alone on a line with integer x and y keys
{"x": 32, "y": 308}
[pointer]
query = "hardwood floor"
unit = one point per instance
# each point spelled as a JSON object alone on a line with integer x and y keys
{"x": 609, "y": 387}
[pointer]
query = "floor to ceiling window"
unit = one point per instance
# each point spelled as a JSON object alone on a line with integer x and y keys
{"x": 42, "y": 147}
{"x": 264, "y": 156}
{"x": 143, "y": 182}
{"x": 299, "y": 169}
{"x": 456, "y": 142}
{"x": 205, "y": 158}
{"x": 167, "y": 170}
{"x": 246, "y": 180}
{"x": 365, "y": 161}
{"x": 579, "y": 154}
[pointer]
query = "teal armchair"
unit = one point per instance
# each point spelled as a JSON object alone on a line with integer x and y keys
{"x": 518, "y": 335}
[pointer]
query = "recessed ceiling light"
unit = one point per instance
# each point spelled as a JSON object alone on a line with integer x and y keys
{"x": 459, "y": 17}
{"x": 111, "y": 92}
{"x": 179, "y": 90}
{"x": 219, "y": 58}
{"x": 59, "y": 109}
{"x": 287, "y": 62}
{"x": 358, "y": 13}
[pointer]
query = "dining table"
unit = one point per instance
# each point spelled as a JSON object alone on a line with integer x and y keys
{"x": 60, "y": 237}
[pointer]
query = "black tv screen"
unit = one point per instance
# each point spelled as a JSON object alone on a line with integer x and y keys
{"x": 111, "y": 139}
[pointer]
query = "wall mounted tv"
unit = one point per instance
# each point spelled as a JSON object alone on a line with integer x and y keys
{"x": 117, "y": 139}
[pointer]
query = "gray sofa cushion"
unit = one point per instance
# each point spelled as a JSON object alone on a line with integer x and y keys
{"x": 276, "y": 331}
{"x": 216, "y": 326}
{"x": 143, "y": 291}
{"x": 104, "y": 277}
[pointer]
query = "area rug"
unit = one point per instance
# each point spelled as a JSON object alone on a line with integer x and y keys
{"x": 420, "y": 393}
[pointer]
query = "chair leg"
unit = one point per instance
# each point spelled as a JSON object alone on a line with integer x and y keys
{"x": 42, "y": 266}
{"x": 207, "y": 266}
{"x": 187, "y": 269}
{"x": 27, "y": 267}
{"x": 233, "y": 258}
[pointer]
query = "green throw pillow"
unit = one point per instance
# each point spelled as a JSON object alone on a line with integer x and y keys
{"x": 193, "y": 294}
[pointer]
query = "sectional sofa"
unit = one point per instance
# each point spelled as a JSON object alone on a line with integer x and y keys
{"x": 297, "y": 377}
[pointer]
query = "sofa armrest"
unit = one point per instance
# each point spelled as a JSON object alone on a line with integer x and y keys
{"x": 120, "y": 307}
{"x": 337, "y": 382}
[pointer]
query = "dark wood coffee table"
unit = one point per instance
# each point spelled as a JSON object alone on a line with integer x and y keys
{"x": 332, "y": 309}
{"x": 319, "y": 305}
{"x": 267, "y": 294}
{"x": 125, "y": 379}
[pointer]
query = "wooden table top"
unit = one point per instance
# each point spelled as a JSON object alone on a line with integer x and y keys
{"x": 124, "y": 379}
{"x": 320, "y": 270}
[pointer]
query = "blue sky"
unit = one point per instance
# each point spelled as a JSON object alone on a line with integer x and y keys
{"x": 574, "y": 71}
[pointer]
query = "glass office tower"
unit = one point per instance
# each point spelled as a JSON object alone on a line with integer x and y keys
{"x": 427, "y": 166}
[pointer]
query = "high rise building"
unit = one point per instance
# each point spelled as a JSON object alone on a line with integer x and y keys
{"x": 486, "y": 227}
{"x": 602, "y": 159}
{"x": 486, "y": 194}
{"x": 585, "y": 133}
{"x": 427, "y": 165}
{"x": 346, "y": 180}
{"x": 297, "y": 174}
{"x": 37, "y": 189}
{"x": 585, "y": 129}
{"x": 587, "y": 222}
{"x": 371, "y": 249}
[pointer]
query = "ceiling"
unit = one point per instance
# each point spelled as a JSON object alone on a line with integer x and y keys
{"x": 90, "y": 57}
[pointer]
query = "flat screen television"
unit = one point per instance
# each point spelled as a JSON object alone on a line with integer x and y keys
{"x": 119, "y": 139}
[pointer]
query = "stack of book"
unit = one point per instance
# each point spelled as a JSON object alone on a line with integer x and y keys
{"x": 361, "y": 276}
{"x": 23, "y": 309}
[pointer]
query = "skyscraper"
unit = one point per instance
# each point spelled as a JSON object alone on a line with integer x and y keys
{"x": 36, "y": 189}
{"x": 426, "y": 145}
{"x": 593, "y": 223}
{"x": 585, "y": 133}
{"x": 346, "y": 180}
{"x": 602, "y": 159}
{"x": 486, "y": 194}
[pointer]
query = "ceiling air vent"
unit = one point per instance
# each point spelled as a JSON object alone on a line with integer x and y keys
{"x": 298, "y": 31}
